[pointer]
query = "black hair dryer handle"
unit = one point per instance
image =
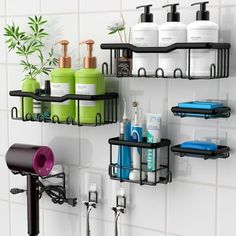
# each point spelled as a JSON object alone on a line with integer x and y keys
{"x": 33, "y": 205}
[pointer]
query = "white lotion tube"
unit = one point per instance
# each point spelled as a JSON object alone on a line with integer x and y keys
{"x": 153, "y": 122}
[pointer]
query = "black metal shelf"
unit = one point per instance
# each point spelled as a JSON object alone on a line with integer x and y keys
{"x": 222, "y": 112}
{"x": 163, "y": 170}
{"x": 222, "y": 152}
{"x": 107, "y": 96}
{"x": 167, "y": 49}
{"x": 217, "y": 70}
{"x": 110, "y": 108}
{"x": 143, "y": 144}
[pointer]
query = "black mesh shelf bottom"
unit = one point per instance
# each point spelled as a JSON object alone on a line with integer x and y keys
{"x": 222, "y": 152}
{"x": 161, "y": 180}
{"x": 222, "y": 112}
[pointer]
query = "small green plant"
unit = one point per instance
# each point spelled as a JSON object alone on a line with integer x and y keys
{"x": 26, "y": 44}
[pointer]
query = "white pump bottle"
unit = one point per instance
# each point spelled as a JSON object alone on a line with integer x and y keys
{"x": 173, "y": 31}
{"x": 145, "y": 34}
{"x": 202, "y": 30}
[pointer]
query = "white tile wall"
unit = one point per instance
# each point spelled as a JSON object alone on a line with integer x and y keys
{"x": 2, "y": 7}
{"x": 201, "y": 199}
{"x": 191, "y": 206}
{"x": 227, "y": 206}
{"x": 4, "y": 181}
{"x": 24, "y": 7}
{"x": 3, "y": 88}
{"x": 99, "y": 6}
{"x": 5, "y": 223}
{"x": 2, "y": 40}
{"x": 54, "y": 6}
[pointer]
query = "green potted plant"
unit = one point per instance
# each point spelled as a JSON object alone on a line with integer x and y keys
{"x": 30, "y": 45}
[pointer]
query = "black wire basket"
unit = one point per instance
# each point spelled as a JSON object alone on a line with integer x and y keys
{"x": 163, "y": 171}
{"x": 110, "y": 108}
{"x": 217, "y": 70}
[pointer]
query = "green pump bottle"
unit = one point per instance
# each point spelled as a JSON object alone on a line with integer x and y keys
{"x": 62, "y": 83}
{"x": 90, "y": 81}
{"x": 28, "y": 85}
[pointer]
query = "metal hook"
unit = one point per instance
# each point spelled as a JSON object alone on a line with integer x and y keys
{"x": 118, "y": 211}
{"x": 120, "y": 208}
{"x": 90, "y": 204}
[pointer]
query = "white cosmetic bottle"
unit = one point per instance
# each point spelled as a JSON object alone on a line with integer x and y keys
{"x": 145, "y": 34}
{"x": 173, "y": 31}
{"x": 202, "y": 30}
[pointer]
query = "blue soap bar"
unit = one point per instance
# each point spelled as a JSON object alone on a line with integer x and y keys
{"x": 200, "y": 105}
{"x": 199, "y": 145}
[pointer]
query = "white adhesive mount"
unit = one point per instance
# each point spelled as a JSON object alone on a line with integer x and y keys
{"x": 92, "y": 183}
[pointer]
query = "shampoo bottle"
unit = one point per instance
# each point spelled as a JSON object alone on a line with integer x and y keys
{"x": 145, "y": 34}
{"x": 62, "y": 83}
{"x": 173, "y": 31}
{"x": 202, "y": 30}
{"x": 28, "y": 85}
{"x": 90, "y": 81}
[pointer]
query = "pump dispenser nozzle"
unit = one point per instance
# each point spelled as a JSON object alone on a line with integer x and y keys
{"x": 173, "y": 15}
{"x": 89, "y": 60}
{"x": 146, "y": 16}
{"x": 64, "y": 60}
{"x": 203, "y": 14}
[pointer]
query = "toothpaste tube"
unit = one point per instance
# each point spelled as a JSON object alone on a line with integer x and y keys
{"x": 153, "y": 122}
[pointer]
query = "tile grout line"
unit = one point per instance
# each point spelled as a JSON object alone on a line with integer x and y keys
{"x": 8, "y": 123}
{"x": 167, "y": 130}
{"x": 218, "y": 134}
{"x": 79, "y": 130}
{"x": 41, "y": 126}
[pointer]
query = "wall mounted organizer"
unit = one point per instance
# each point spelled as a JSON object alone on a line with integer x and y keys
{"x": 110, "y": 108}
{"x": 222, "y": 112}
{"x": 222, "y": 152}
{"x": 57, "y": 193}
{"x": 164, "y": 170}
{"x": 216, "y": 71}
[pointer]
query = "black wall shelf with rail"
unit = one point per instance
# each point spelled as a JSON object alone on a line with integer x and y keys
{"x": 163, "y": 170}
{"x": 217, "y": 70}
{"x": 110, "y": 108}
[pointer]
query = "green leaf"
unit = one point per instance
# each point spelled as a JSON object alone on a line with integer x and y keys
{"x": 121, "y": 29}
{"x": 113, "y": 32}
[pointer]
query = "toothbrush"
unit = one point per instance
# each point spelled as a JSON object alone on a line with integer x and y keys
{"x": 124, "y": 153}
{"x": 137, "y": 132}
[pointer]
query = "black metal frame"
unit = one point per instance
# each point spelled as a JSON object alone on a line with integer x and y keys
{"x": 70, "y": 201}
{"x": 93, "y": 197}
{"x": 216, "y": 71}
{"x": 143, "y": 145}
{"x": 40, "y": 187}
{"x": 222, "y": 152}
{"x": 121, "y": 201}
{"x": 221, "y": 112}
{"x": 110, "y": 108}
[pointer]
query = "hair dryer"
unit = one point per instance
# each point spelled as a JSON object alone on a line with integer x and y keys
{"x": 32, "y": 161}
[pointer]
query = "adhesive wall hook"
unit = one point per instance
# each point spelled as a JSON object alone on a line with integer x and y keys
{"x": 119, "y": 209}
{"x": 90, "y": 204}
